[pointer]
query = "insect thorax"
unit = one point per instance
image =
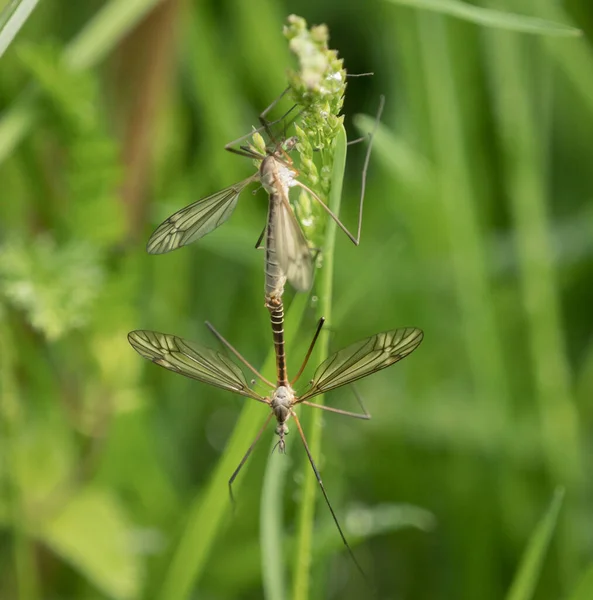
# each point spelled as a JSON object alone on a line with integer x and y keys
{"x": 275, "y": 175}
{"x": 281, "y": 403}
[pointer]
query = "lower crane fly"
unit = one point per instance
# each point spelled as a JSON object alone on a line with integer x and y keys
{"x": 204, "y": 364}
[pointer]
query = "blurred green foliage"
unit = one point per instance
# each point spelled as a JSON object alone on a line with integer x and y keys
{"x": 478, "y": 228}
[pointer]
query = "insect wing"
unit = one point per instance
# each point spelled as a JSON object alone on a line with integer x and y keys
{"x": 363, "y": 358}
{"x": 198, "y": 362}
{"x": 294, "y": 256}
{"x": 196, "y": 220}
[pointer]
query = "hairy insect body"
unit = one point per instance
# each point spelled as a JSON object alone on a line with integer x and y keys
{"x": 276, "y": 177}
{"x": 281, "y": 405}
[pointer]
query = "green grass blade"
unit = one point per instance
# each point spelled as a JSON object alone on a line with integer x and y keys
{"x": 271, "y": 529}
{"x": 572, "y": 59}
{"x": 13, "y": 17}
{"x": 210, "y": 506}
{"x": 492, "y": 18}
{"x": 526, "y": 578}
{"x": 303, "y": 557}
{"x": 459, "y": 198}
{"x": 584, "y": 589}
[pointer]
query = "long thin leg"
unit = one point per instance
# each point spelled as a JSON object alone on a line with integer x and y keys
{"x": 315, "y": 252}
{"x": 367, "y": 159}
{"x": 328, "y": 210}
{"x": 267, "y": 125}
{"x": 356, "y": 141}
{"x": 311, "y": 346}
{"x": 245, "y": 457}
{"x": 246, "y": 152}
{"x": 287, "y": 124}
{"x": 331, "y": 510}
{"x": 237, "y": 354}
{"x": 263, "y": 114}
{"x": 264, "y": 124}
{"x": 260, "y": 238}
{"x": 354, "y": 239}
{"x": 261, "y": 128}
{"x": 338, "y": 411}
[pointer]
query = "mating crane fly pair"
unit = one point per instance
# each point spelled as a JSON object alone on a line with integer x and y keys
{"x": 287, "y": 257}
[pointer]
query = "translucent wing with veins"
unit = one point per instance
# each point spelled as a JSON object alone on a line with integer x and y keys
{"x": 197, "y": 219}
{"x": 292, "y": 249}
{"x": 192, "y": 360}
{"x": 363, "y": 358}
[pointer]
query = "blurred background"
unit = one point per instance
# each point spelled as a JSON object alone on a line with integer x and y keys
{"x": 477, "y": 228}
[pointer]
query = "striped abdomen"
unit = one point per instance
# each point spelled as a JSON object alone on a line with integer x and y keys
{"x": 276, "y": 309}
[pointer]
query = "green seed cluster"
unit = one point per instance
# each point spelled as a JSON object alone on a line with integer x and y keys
{"x": 318, "y": 88}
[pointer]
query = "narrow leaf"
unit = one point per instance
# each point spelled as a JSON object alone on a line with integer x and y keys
{"x": 12, "y": 18}
{"x": 272, "y": 538}
{"x": 492, "y": 18}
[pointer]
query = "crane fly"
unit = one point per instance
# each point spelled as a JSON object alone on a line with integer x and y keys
{"x": 196, "y": 220}
{"x": 203, "y": 216}
{"x": 287, "y": 254}
{"x": 209, "y": 366}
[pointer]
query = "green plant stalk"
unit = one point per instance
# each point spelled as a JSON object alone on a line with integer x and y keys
{"x": 24, "y": 561}
{"x": 526, "y": 185}
{"x": 212, "y": 504}
{"x": 525, "y": 581}
{"x": 272, "y": 537}
{"x": 100, "y": 36}
{"x": 303, "y": 558}
{"x": 456, "y": 194}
